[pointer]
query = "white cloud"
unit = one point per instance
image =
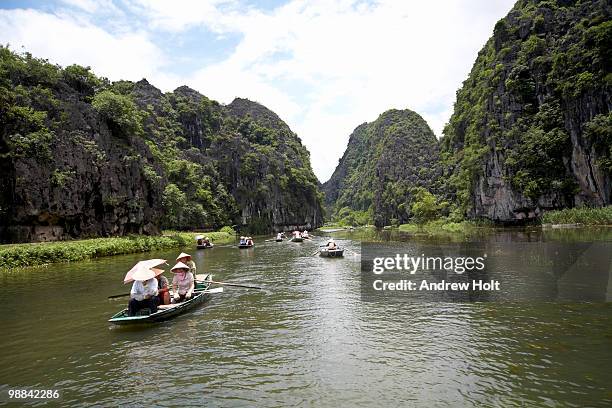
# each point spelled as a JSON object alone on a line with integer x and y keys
{"x": 324, "y": 66}
{"x": 67, "y": 39}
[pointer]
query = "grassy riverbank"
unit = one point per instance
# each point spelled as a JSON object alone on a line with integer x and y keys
{"x": 586, "y": 216}
{"x": 442, "y": 226}
{"x": 22, "y": 255}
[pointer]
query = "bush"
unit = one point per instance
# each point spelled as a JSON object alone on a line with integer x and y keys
{"x": 586, "y": 216}
{"x": 120, "y": 113}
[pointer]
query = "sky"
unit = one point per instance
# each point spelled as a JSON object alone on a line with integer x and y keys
{"x": 324, "y": 67}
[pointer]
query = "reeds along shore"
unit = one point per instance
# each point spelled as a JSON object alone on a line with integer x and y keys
{"x": 34, "y": 254}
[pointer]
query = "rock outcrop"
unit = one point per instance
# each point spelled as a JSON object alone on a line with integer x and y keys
{"x": 382, "y": 164}
{"x": 531, "y": 129}
{"x": 82, "y": 157}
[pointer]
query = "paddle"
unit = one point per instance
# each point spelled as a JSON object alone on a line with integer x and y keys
{"x": 232, "y": 284}
{"x": 318, "y": 250}
{"x": 119, "y": 296}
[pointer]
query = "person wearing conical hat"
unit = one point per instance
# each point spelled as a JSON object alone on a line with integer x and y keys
{"x": 186, "y": 259}
{"x": 143, "y": 294}
{"x": 183, "y": 282}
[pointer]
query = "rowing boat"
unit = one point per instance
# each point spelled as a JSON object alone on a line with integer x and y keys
{"x": 165, "y": 312}
{"x": 297, "y": 239}
{"x": 279, "y": 240}
{"x": 205, "y": 246}
{"x": 332, "y": 253}
{"x": 244, "y": 246}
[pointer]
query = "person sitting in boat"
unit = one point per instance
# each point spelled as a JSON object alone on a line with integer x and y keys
{"x": 305, "y": 234}
{"x": 249, "y": 240}
{"x": 186, "y": 259}
{"x": 183, "y": 282}
{"x": 243, "y": 240}
{"x": 200, "y": 241}
{"x": 279, "y": 236}
{"x": 331, "y": 244}
{"x": 296, "y": 234}
{"x": 163, "y": 292}
{"x": 207, "y": 241}
{"x": 143, "y": 296}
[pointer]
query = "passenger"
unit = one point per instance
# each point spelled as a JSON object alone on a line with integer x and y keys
{"x": 305, "y": 234}
{"x": 186, "y": 259}
{"x": 279, "y": 236}
{"x": 242, "y": 240}
{"x": 200, "y": 242}
{"x": 331, "y": 244}
{"x": 207, "y": 241}
{"x": 183, "y": 282}
{"x": 249, "y": 241}
{"x": 163, "y": 289}
{"x": 143, "y": 296}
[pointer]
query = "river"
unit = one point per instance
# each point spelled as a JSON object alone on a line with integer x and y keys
{"x": 307, "y": 339}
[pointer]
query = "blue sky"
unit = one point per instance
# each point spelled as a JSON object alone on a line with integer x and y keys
{"x": 324, "y": 66}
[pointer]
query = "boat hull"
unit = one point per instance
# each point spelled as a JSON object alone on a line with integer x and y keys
{"x": 205, "y": 246}
{"x": 245, "y": 246}
{"x": 294, "y": 239}
{"x": 334, "y": 253}
{"x": 122, "y": 318}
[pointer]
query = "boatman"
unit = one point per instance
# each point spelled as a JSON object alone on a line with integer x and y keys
{"x": 331, "y": 244}
{"x": 186, "y": 259}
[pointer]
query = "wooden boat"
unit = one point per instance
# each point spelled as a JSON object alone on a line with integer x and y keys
{"x": 244, "y": 246}
{"x": 279, "y": 240}
{"x": 297, "y": 239}
{"x": 164, "y": 312}
{"x": 332, "y": 253}
{"x": 205, "y": 246}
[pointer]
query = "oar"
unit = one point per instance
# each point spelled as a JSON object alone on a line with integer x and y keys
{"x": 318, "y": 250}
{"x": 215, "y": 290}
{"x": 233, "y": 284}
{"x": 118, "y": 296}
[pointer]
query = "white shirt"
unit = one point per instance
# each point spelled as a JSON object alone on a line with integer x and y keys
{"x": 140, "y": 290}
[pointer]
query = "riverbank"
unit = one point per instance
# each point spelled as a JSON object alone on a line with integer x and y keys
{"x": 35, "y": 254}
{"x": 584, "y": 216}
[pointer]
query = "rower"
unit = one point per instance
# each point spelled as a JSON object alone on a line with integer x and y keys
{"x": 186, "y": 259}
{"x": 331, "y": 244}
{"x": 183, "y": 282}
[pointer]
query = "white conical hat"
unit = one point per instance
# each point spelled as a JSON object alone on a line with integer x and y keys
{"x": 179, "y": 265}
{"x": 183, "y": 255}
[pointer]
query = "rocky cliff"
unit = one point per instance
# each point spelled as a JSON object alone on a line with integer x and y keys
{"x": 532, "y": 128}
{"x": 383, "y": 163}
{"x": 85, "y": 157}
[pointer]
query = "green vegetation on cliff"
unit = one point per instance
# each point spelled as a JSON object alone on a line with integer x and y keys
{"x": 84, "y": 157}
{"x": 384, "y": 166}
{"x": 531, "y": 125}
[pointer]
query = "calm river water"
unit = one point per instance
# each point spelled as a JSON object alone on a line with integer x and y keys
{"x": 307, "y": 340}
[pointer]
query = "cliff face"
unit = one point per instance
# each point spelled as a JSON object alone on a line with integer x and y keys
{"x": 383, "y": 163}
{"x": 84, "y": 157}
{"x": 531, "y": 126}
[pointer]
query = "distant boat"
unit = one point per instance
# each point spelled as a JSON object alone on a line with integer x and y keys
{"x": 205, "y": 246}
{"x": 297, "y": 239}
{"x": 332, "y": 253}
